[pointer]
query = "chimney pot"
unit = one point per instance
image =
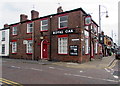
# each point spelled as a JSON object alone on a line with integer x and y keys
{"x": 34, "y": 14}
{"x": 59, "y": 9}
{"x": 23, "y": 17}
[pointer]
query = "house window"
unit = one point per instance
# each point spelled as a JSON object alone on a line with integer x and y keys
{"x": 29, "y": 47}
{"x": 14, "y": 47}
{"x": 44, "y": 25}
{"x": 3, "y": 35}
{"x": 29, "y": 27}
{"x": 62, "y": 45}
{"x": 86, "y": 46}
{"x": 14, "y": 31}
{"x": 63, "y": 21}
{"x": 3, "y": 48}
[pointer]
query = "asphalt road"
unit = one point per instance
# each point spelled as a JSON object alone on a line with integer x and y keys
{"x": 37, "y": 73}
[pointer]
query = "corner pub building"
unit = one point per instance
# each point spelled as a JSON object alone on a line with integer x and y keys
{"x": 58, "y": 37}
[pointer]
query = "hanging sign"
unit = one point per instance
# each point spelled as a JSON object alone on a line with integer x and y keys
{"x": 87, "y": 20}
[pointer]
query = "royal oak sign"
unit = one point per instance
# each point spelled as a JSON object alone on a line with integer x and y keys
{"x": 64, "y": 31}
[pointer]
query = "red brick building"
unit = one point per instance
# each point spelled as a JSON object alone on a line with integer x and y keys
{"x": 60, "y": 37}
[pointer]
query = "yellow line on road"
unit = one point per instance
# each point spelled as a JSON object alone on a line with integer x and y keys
{"x": 113, "y": 64}
{"x": 5, "y": 81}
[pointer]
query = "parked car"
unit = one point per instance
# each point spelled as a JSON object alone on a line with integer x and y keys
{"x": 117, "y": 55}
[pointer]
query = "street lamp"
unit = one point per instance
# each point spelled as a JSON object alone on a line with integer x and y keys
{"x": 101, "y": 14}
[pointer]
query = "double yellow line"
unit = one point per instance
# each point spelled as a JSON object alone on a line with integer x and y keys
{"x": 6, "y": 82}
{"x": 113, "y": 64}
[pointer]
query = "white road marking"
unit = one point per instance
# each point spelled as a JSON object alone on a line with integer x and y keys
{"x": 90, "y": 77}
{"x": 81, "y": 71}
{"x": 115, "y": 76}
{"x": 107, "y": 70}
{"x": 36, "y": 69}
{"x": 15, "y": 67}
{"x": 51, "y": 67}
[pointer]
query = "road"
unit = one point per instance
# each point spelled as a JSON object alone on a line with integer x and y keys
{"x": 37, "y": 73}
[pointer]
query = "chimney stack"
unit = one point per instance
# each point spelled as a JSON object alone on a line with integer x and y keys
{"x": 23, "y": 17}
{"x": 59, "y": 9}
{"x": 6, "y": 25}
{"x": 34, "y": 14}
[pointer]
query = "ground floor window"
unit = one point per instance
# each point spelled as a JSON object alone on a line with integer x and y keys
{"x": 14, "y": 47}
{"x": 3, "y": 48}
{"x": 86, "y": 46}
{"x": 29, "y": 49}
{"x": 62, "y": 45}
{"x": 96, "y": 47}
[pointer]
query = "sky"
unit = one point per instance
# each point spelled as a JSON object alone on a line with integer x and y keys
{"x": 11, "y": 10}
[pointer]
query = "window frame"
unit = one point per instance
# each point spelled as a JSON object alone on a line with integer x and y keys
{"x": 41, "y": 24}
{"x": 65, "y": 21}
{"x": 63, "y": 45}
{"x": 86, "y": 46}
{"x": 29, "y": 46}
{"x": 3, "y": 50}
{"x": 28, "y": 27}
{"x": 3, "y": 36}
{"x": 14, "y": 47}
{"x": 14, "y": 30}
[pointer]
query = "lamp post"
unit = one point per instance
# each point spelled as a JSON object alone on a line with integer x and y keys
{"x": 100, "y": 15}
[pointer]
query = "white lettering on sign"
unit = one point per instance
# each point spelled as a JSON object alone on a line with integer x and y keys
{"x": 75, "y": 39}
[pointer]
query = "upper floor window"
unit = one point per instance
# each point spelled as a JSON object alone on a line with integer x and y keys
{"x": 44, "y": 25}
{"x": 63, "y": 21}
{"x": 14, "y": 31}
{"x": 29, "y": 27}
{"x": 3, "y": 35}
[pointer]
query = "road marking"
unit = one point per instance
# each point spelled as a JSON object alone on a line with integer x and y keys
{"x": 112, "y": 65}
{"x": 107, "y": 70}
{"x": 51, "y": 67}
{"x": 15, "y": 67}
{"x": 90, "y": 77}
{"x": 115, "y": 76}
{"x": 8, "y": 82}
{"x": 36, "y": 69}
{"x": 81, "y": 71}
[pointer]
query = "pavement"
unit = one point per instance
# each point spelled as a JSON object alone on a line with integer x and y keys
{"x": 106, "y": 62}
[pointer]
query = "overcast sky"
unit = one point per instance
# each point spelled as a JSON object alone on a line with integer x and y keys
{"x": 11, "y": 10}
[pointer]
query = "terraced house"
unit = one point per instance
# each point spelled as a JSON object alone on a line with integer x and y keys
{"x": 64, "y": 36}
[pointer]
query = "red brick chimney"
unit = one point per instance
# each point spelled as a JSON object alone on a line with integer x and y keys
{"x": 6, "y": 25}
{"x": 34, "y": 14}
{"x": 59, "y": 9}
{"x": 23, "y": 17}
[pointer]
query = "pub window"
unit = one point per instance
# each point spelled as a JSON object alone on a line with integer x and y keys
{"x": 14, "y": 30}
{"x": 86, "y": 46}
{"x": 14, "y": 47}
{"x": 63, "y": 21}
{"x": 96, "y": 47}
{"x": 63, "y": 45}
{"x": 29, "y": 27}
{"x": 44, "y": 25}
{"x": 29, "y": 47}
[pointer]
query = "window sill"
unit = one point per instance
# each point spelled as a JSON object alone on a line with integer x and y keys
{"x": 43, "y": 30}
{"x": 29, "y": 53}
{"x": 62, "y": 54}
{"x": 29, "y": 33}
{"x": 14, "y": 35}
{"x": 63, "y": 28}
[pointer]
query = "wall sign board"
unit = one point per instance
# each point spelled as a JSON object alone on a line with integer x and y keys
{"x": 74, "y": 50}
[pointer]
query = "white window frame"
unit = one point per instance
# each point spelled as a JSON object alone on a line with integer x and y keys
{"x": 44, "y": 25}
{"x": 29, "y": 47}
{"x": 86, "y": 33}
{"x": 3, "y": 50}
{"x": 14, "y": 30}
{"x": 96, "y": 47}
{"x": 63, "y": 45}
{"x": 65, "y": 21}
{"x": 14, "y": 47}
{"x": 3, "y": 35}
{"x": 29, "y": 28}
{"x": 86, "y": 46}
